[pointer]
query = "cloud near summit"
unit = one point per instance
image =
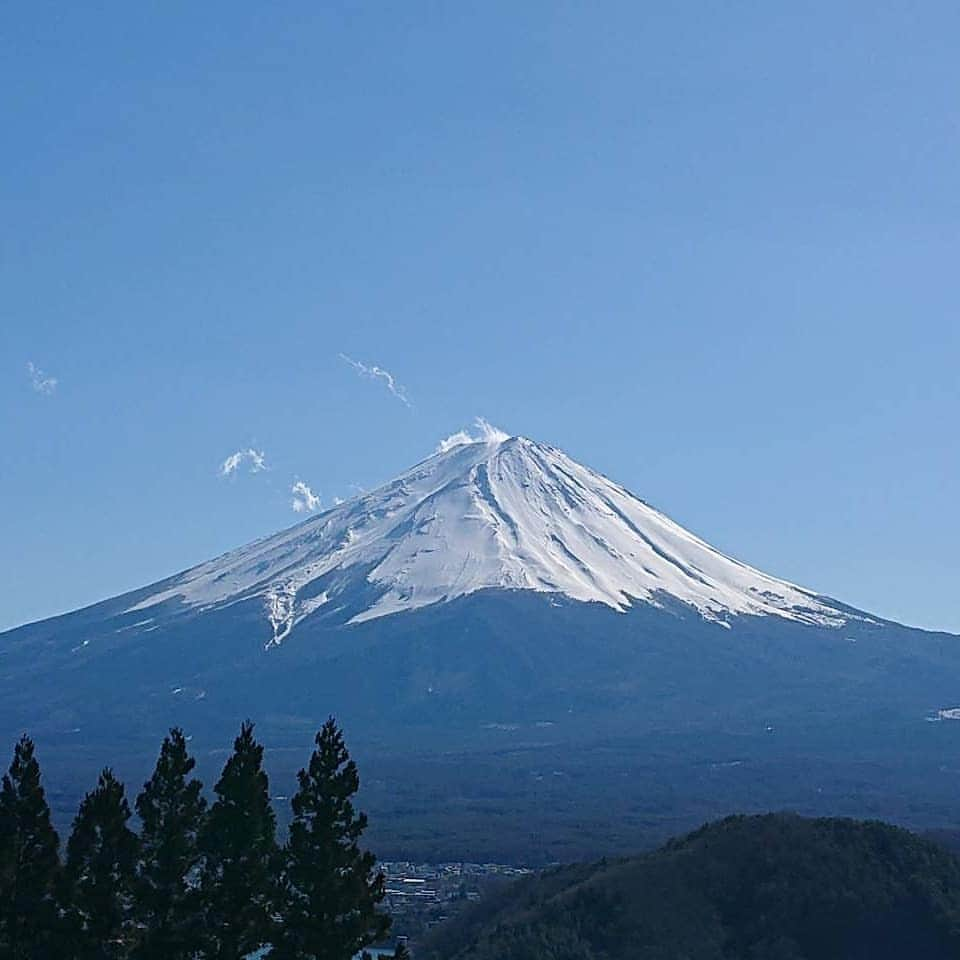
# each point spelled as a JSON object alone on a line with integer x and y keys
{"x": 304, "y": 499}
{"x": 486, "y": 433}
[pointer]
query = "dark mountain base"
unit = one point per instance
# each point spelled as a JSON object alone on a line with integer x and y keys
{"x": 511, "y": 726}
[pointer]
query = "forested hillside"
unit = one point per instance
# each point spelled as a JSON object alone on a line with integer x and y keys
{"x": 774, "y": 887}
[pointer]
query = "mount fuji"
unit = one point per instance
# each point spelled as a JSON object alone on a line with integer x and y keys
{"x": 498, "y": 513}
{"x": 497, "y": 600}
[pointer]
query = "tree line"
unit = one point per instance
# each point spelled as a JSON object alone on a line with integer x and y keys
{"x": 198, "y": 881}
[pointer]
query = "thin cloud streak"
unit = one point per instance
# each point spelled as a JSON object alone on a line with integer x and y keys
{"x": 39, "y": 380}
{"x": 375, "y": 372}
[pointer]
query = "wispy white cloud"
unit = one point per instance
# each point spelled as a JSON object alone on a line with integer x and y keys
{"x": 255, "y": 458}
{"x": 489, "y": 433}
{"x": 378, "y": 373}
{"x": 457, "y": 439}
{"x": 486, "y": 433}
{"x": 304, "y": 499}
{"x": 39, "y": 380}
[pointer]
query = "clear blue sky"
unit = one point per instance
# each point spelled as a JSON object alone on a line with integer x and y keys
{"x": 710, "y": 249}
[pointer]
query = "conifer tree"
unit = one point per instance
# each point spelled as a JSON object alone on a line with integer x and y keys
{"x": 238, "y": 844}
{"x": 329, "y": 891}
{"x": 29, "y": 862}
{"x": 99, "y": 874}
{"x": 171, "y": 810}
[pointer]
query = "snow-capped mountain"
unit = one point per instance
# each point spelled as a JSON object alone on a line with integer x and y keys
{"x": 496, "y": 512}
{"x": 499, "y": 604}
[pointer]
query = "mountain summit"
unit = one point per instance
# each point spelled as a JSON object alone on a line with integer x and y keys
{"x": 498, "y": 512}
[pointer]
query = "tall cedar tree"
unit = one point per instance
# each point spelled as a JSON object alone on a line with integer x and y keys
{"x": 329, "y": 890}
{"x": 171, "y": 810}
{"x": 238, "y": 843}
{"x": 100, "y": 872}
{"x": 29, "y": 862}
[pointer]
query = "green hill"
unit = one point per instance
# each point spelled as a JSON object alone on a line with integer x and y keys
{"x": 774, "y": 887}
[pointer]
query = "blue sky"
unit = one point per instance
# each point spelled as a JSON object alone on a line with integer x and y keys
{"x": 708, "y": 249}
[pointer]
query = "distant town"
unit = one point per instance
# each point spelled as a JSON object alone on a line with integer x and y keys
{"x": 421, "y": 895}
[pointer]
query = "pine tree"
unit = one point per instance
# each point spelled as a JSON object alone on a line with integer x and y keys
{"x": 29, "y": 862}
{"x": 171, "y": 811}
{"x": 329, "y": 893}
{"x": 238, "y": 843}
{"x": 99, "y": 874}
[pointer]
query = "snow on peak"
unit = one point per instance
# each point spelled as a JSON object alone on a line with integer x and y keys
{"x": 489, "y": 511}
